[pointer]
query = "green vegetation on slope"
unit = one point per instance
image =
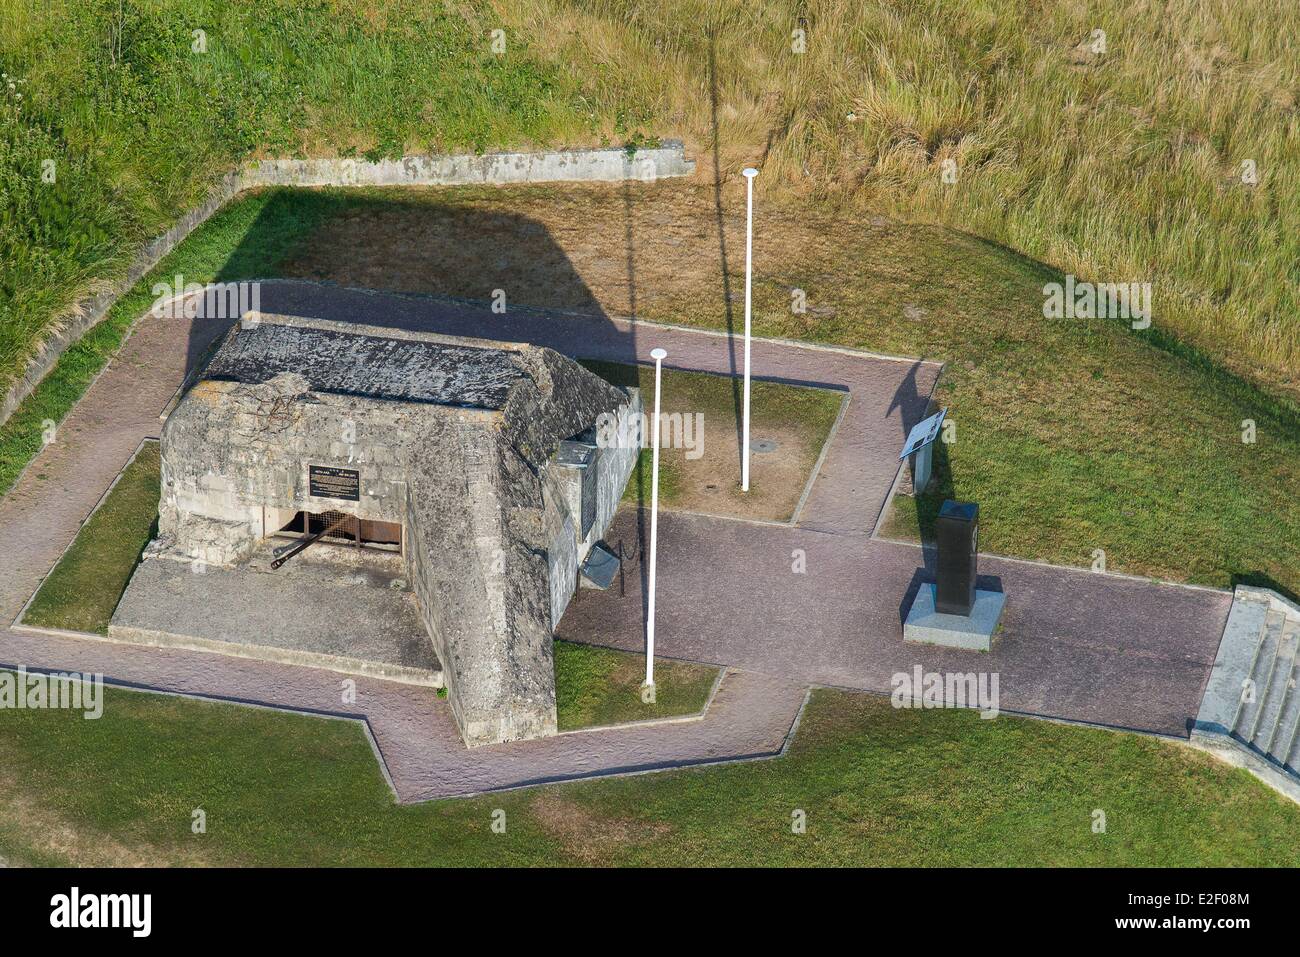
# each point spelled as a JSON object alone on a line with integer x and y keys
{"x": 879, "y": 786}
{"x": 85, "y": 586}
{"x": 1108, "y": 139}
{"x": 140, "y": 116}
{"x": 243, "y": 241}
{"x": 1122, "y": 164}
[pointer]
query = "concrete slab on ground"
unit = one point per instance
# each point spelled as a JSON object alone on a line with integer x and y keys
{"x": 331, "y": 607}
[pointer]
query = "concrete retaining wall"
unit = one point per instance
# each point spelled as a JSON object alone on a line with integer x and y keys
{"x": 561, "y": 166}
{"x": 589, "y": 165}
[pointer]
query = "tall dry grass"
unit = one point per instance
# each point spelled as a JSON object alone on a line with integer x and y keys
{"x": 1115, "y": 166}
{"x": 1122, "y": 165}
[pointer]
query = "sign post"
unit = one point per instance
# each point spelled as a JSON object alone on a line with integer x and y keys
{"x": 920, "y": 442}
{"x": 750, "y": 173}
{"x": 648, "y": 688}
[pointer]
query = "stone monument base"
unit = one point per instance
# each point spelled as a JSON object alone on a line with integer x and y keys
{"x": 926, "y": 626}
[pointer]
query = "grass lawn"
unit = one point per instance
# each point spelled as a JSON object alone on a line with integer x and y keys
{"x": 598, "y": 686}
{"x": 796, "y": 418}
{"x": 879, "y": 786}
{"x": 85, "y": 586}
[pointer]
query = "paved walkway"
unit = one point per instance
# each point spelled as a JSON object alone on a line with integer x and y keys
{"x": 1075, "y": 645}
{"x": 750, "y": 717}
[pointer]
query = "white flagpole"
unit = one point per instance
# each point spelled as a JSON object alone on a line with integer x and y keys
{"x": 750, "y": 173}
{"x": 658, "y": 355}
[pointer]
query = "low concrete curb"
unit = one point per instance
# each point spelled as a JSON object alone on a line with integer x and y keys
{"x": 154, "y": 638}
{"x": 555, "y": 166}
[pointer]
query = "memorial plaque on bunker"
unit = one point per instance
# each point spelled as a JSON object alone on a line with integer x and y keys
{"x": 325, "y": 481}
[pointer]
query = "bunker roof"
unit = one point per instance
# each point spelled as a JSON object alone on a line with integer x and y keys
{"x": 405, "y": 369}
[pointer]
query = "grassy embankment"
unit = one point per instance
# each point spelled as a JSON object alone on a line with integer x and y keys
{"x": 120, "y": 117}
{"x": 1115, "y": 164}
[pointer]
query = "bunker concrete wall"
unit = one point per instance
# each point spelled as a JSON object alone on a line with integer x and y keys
{"x": 614, "y": 466}
{"x": 505, "y": 551}
{"x": 231, "y": 449}
{"x": 562, "y": 561}
{"x": 483, "y": 591}
{"x": 484, "y": 512}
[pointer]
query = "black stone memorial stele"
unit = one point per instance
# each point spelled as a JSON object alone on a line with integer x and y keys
{"x": 957, "y": 531}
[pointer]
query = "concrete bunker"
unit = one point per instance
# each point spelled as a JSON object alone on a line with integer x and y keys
{"x": 461, "y": 475}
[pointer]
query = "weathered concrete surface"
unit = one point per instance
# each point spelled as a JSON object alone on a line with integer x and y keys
{"x": 453, "y": 439}
{"x": 333, "y": 607}
{"x": 401, "y": 368}
{"x": 1237, "y": 656}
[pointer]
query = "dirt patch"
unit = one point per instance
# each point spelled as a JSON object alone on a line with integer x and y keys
{"x": 592, "y": 838}
{"x": 635, "y": 249}
{"x": 700, "y": 442}
{"x": 48, "y": 835}
{"x": 711, "y": 483}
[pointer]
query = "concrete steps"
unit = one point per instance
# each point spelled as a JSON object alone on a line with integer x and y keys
{"x": 1270, "y": 704}
{"x": 1253, "y": 695}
